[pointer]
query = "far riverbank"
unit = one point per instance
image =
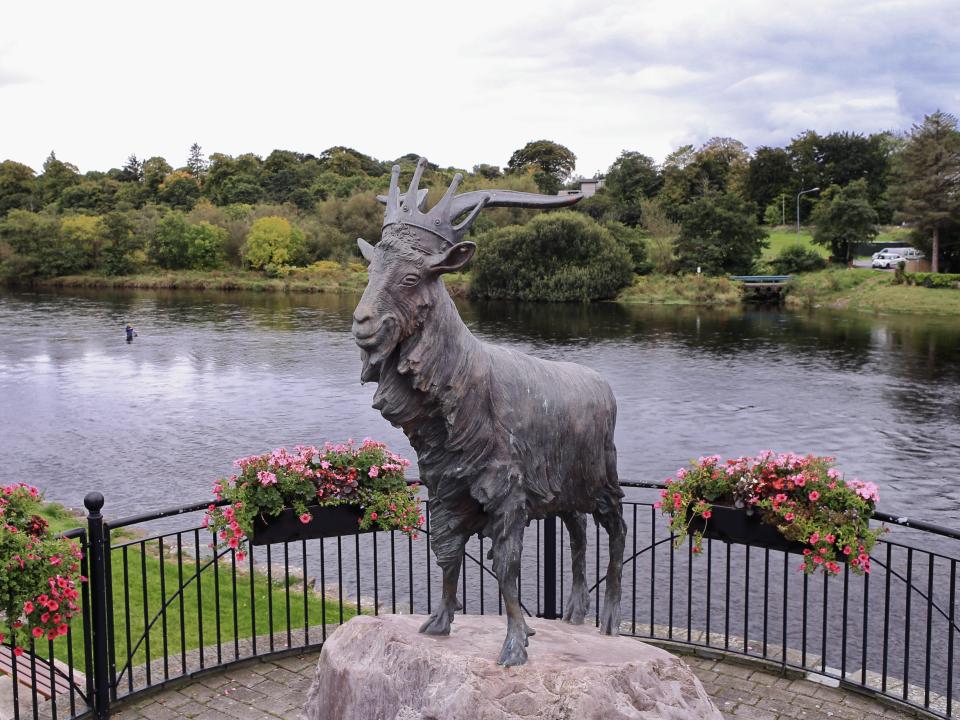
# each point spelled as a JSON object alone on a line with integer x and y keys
{"x": 856, "y": 289}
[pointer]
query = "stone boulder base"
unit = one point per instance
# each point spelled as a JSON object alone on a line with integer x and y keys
{"x": 381, "y": 668}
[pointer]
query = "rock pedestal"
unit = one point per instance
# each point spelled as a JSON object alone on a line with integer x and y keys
{"x": 381, "y": 668}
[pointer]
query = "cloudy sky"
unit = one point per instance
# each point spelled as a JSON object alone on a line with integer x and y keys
{"x": 462, "y": 83}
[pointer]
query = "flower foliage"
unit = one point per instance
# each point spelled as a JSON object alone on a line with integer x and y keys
{"x": 39, "y": 572}
{"x": 805, "y": 497}
{"x": 367, "y": 475}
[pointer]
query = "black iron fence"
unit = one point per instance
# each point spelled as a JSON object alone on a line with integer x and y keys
{"x": 161, "y": 605}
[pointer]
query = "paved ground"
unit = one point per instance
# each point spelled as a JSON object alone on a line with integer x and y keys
{"x": 278, "y": 689}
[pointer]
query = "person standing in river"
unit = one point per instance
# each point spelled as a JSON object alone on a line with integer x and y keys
{"x": 131, "y": 332}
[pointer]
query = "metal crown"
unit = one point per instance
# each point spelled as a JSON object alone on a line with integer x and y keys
{"x": 407, "y": 209}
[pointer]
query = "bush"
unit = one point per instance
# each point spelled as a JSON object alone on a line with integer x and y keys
{"x": 797, "y": 259}
{"x": 273, "y": 241}
{"x": 205, "y": 243}
{"x": 168, "y": 246}
{"x": 934, "y": 280}
{"x": 633, "y": 242}
{"x": 559, "y": 256}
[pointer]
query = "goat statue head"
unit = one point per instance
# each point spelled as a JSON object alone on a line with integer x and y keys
{"x": 415, "y": 249}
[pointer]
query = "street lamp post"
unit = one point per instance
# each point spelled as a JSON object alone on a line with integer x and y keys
{"x": 802, "y": 192}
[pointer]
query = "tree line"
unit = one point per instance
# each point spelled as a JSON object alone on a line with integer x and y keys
{"x": 703, "y": 207}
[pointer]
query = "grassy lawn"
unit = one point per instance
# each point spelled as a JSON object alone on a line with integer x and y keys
{"x": 784, "y": 236}
{"x": 681, "y": 290}
{"x": 869, "y": 291}
{"x": 138, "y": 568}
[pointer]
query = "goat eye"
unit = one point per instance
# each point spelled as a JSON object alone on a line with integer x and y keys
{"x": 410, "y": 280}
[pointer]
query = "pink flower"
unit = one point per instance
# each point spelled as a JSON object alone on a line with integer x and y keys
{"x": 373, "y": 516}
{"x": 266, "y": 478}
{"x": 28, "y": 607}
{"x": 789, "y": 517}
{"x": 814, "y": 496}
{"x": 830, "y": 538}
{"x": 306, "y": 517}
{"x": 814, "y": 539}
{"x": 374, "y": 471}
{"x": 241, "y": 556}
{"x": 799, "y": 481}
{"x": 37, "y": 632}
{"x": 706, "y": 514}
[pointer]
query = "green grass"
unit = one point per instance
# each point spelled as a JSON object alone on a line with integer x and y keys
{"x": 321, "y": 277}
{"x": 681, "y": 290}
{"x": 142, "y": 562}
{"x": 783, "y": 237}
{"x": 867, "y": 290}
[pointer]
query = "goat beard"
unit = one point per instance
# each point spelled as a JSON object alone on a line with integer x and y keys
{"x": 374, "y": 358}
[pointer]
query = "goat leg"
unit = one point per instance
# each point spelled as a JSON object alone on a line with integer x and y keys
{"x": 578, "y": 601}
{"x": 448, "y": 549}
{"x": 508, "y": 540}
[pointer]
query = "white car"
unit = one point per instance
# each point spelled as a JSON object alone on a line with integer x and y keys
{"x": 887, "y": 260}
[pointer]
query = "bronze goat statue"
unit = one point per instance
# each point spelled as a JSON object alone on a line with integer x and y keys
{"x": 502, "y": 438}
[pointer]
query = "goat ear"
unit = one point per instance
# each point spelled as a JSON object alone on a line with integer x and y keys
{"x": 454, "y": 258}
{"x": 366, "y": 249}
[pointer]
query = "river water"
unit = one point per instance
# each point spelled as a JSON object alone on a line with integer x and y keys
{"x": 212, "y": 377}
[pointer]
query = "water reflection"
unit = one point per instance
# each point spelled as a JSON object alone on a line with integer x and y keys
{"x": 216, "y": 375}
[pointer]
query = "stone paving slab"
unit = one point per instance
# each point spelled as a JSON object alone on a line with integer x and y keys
{"x": 260, "y": 690}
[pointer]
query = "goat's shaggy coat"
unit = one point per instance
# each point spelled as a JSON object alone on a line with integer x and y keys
{"x": 501, "y": 437}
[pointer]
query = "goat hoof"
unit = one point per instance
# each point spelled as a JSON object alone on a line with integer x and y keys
{"x": 437, "y": 624}
{"x": 512, "y": 654}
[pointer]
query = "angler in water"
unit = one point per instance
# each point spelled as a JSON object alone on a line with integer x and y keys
{"x": 131, "y": 332}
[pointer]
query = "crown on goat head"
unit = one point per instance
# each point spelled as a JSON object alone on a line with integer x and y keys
{"x": 408, "y": 208}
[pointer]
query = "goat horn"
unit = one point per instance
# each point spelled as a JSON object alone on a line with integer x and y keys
{"x": 508, "y": 198}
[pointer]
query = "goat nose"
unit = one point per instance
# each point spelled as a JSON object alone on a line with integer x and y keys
{"x": 361, "y": 315}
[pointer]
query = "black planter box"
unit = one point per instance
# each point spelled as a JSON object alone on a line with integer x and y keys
{"x": 733, "y": 525}
{"x": 326, "y": 522}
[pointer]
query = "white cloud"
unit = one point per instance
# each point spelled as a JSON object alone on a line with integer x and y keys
{"x": 461, "y": 84}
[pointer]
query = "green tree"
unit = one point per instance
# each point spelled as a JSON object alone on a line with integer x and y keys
{"x": 169, "y": 245}
{"x": 56, "y": 177}
{"x": 719, "y": 234}
{"x": 155, "y": 169}
{"x": 843, "y": 217}
{"x": 17, "y": 186}
{"x": 928, "y": 179}
{"x": 632, "y": 176}
{"x": 122, "y": 245}
{"x": 233, "y": 180}
{"x": 196, "y": 163}
{"x": 132, "y": 171}
{"x": 490, "y": 172}
{"x": 38, "y": 249}
{"x": 769, "y": 176}
{"x": 558, "y": 256}
{"x": 205, "y": 246}
{"x": 549, "y": 162}
{"x": 179, "y": 190}
{"x": 82, "y": 237}
{"x": 632, "y": 240}
{"x": 272, "y": 243}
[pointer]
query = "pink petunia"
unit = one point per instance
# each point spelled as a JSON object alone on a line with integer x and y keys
{"x": 306, "y": 517}
{"x": 814, "y": 496}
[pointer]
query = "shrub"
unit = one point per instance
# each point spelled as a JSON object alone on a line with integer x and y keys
{"x": 273, "y": 241}
{"x": 168, "y": 245}
{"x": 797, "y": 259}
{"x": 633, "y": 241}
{"x": 560, "y": 256}
{"x": 205, "y": 244}
{"x": 934, "y": 280}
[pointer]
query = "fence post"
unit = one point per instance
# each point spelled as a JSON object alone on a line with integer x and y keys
{"x": 98, "y": 594}
{"x": 550, "y": 567}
